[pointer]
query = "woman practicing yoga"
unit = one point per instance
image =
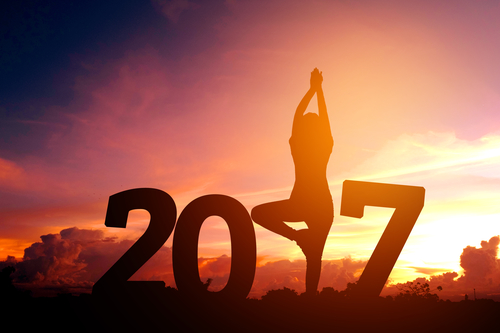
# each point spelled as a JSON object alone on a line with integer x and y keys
{"x": 310, "y": 201}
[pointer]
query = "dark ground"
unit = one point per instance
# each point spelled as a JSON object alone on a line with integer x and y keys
{"x": 167, "y": 311}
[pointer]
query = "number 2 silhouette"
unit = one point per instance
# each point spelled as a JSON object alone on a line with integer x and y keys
{"x": 163, "y": 212}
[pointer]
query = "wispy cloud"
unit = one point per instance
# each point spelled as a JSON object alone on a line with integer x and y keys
{"x": 172, "y": 9}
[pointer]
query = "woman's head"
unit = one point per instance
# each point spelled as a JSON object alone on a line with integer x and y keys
{"x": 309, "y": 124}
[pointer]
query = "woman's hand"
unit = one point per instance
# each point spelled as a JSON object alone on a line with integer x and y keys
{"x": 316, "y": 79}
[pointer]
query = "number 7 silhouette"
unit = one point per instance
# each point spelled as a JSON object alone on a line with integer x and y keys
{"x": 408, "y": 201}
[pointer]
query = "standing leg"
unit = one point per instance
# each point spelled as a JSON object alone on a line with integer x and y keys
{"x": 313, "y": 261}
{"x": 312, "y": 241}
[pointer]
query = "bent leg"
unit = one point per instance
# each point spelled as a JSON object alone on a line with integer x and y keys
{"x": 318, "y": 217}
{"x": 272, "y": 215}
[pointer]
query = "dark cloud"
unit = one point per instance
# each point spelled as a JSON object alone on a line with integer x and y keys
{"x": 74, "y": 259}
{"x": 279, "y": 274}
{"x": 217, "y": 269}
{"x": 157, "y": 268}
{"x": 83, "y": 235}
{"x": 52, "y": 260}
{"x": 337, "y": 276}
{"x": 291, "y": 274}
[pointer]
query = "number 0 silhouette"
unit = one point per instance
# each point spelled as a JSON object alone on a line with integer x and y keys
{"x": 243, "y": 246}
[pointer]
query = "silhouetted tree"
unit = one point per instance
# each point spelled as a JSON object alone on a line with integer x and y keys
{"x": 348, "y": 292}
{"x": 7, "y": 289}
{"x": 8, "y": 292}
{"x": 280, "y": 295}
{"x": 207, "y": 284}
{"x": 410, "y": 291}
{"x": 329, "y": 293}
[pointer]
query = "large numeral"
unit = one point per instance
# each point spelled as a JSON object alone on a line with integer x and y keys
{"x": 408, "y": 201}
{"x": 163, "y": 213}
{"x": 243, "y": 246}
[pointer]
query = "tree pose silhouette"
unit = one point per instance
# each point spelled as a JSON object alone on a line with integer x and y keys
{"x": 311, "y": 144}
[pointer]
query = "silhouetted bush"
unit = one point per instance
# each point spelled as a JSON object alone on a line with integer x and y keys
{"x": 7, "y": 288}
{"x": 208, "y": 283}
{"x": 348, "y": 292}
{"x": 280, "y": 295}
{"x": 281, "y": 310}
{"x": 329, "y": 293}
{"x": 416, "y": 292}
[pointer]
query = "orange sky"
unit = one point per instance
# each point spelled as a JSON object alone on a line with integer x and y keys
{"x": 412, "y": 92}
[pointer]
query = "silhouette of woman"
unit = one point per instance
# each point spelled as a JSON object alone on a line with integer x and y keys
{"x": 311, "y": 144}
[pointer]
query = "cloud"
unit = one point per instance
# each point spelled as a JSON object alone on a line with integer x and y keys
{"x": 428, "y": 270}
{"x": 172, "y": 9}
{"x": 157, "y": 268}
{"x": 11, "y": 175}
{"x": 337, "y": 276}
{"x": 279, "y": 274}
{"x": 431, "y": 151}
{"x": 51, "y": 260}
{"x": 74, "y": 259}
{"x": 61, "y": 258}
{"x": 291, "y": 274}
{"x": 481, "y": 265}
{"x": 82, "y": 235}
{"x": 481, "y": 273}
{"x": 214, "y": 266}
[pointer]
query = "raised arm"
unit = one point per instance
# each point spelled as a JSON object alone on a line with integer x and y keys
{"x": 315, "y": 87}
{"x": 323, "y": 114}
{"x": 301, "y": 108}
{"x": 316, "y": 81}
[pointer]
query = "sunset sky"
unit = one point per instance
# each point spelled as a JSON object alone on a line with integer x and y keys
{"x": 196, "y": 97}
